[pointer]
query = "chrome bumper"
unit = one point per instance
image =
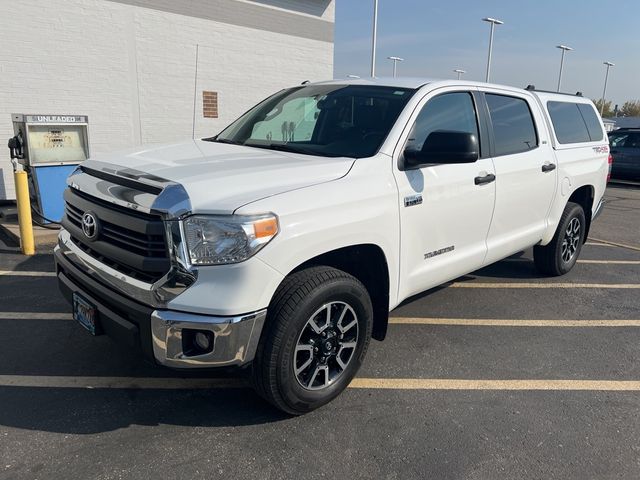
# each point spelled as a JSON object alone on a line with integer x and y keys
{"x": 235, "y": 338}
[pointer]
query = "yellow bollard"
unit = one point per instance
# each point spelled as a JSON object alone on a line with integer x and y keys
{"x": 24, "y": 213}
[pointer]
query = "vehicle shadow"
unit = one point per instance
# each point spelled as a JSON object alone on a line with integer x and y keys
{"x": 514, "y": 268}
{"x": 517, "y": 266}
{"x": 53, "y": 353}
{"x": 90, "y": 411}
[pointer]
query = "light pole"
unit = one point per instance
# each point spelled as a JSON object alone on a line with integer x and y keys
{"x": 395, "y": 64}
{"x": 374, "y": 38}
{"x": 493, "y": 23}
{"x": 604, "y": 91}
{"x": 564, "y": 48}
{"x": 459, "y": 72}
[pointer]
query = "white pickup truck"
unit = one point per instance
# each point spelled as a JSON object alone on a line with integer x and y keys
{"x": 282, "y": 243}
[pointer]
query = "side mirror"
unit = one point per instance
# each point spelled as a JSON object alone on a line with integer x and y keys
{"x": 443, "y": 147}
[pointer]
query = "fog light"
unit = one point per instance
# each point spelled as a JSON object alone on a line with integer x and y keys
{"x": 197, "y": 342}
{"x": 203, "y": 341}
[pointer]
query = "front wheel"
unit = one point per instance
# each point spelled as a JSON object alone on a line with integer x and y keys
{"x": 561, "y": 254}
{"x": 316, "y": 336}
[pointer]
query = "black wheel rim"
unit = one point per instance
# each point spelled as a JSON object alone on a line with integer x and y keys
{"x": 571, "y": 240}
{"x": 326, "y": 345}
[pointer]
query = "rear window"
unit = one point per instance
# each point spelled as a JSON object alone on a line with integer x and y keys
{"x": 574, "y": 123}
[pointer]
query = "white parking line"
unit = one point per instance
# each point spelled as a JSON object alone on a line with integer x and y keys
{"x": 29, "y": 381}
{"x": 16, "y": 273}
{"x": 455, "y": 384}
{"x": 615, "y": 244}
{"x": 34, "y": 316}
{"x": 612, "y": 262}
{"x": 605, "y": 262}
{"x": 118, "y": 382}
{"x": 544, "y": 285}
{"x": 493, "y": 322}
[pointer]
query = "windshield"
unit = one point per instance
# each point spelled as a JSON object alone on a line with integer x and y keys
{"x": 325, "y": 120}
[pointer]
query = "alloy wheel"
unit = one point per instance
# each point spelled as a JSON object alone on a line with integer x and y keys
{"x": 326, "y": 345}
{"x": 571, "y": 240}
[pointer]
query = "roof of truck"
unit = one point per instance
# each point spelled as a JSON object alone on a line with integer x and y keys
{"x": 417, "y": 82}
{"x": 400, "y": 82}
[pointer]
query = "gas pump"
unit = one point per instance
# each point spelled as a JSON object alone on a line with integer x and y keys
{"x": 49, "y": 147}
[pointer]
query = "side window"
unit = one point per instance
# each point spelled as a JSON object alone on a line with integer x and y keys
{"x": 568, "y": 123}
{"x": 591, "y": 120}
{"x": 451, "y": 112}
{"x": 513, "y": 127}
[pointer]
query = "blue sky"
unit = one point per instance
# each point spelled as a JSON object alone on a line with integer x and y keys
{"x": 435, "y": 37}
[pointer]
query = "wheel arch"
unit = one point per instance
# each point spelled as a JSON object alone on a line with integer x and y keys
{"x": 584, "y": 196}
{"x": 368, "y": 263}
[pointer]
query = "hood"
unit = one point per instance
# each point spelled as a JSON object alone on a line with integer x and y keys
{"x": 220, "y": 178}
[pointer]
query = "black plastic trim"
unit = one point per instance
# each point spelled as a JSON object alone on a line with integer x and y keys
{"x": 126, "y": 321}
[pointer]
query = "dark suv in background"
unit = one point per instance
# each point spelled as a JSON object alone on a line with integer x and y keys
{"x": 625, "y": 148}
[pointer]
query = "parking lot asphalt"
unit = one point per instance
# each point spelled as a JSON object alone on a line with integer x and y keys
{"x": 501, "y": 374}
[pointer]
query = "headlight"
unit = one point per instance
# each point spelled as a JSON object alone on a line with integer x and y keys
{"x": 218, "y": 240}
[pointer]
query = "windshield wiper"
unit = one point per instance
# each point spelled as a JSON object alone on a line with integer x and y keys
{"x": 283, "y": 147}
{"x": 222, "y": 140}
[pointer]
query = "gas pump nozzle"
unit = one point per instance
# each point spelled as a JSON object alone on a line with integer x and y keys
{"x": 15, "y": 145}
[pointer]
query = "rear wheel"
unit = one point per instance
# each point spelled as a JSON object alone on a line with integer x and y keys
{"x": 316, "y": 336}
{"x": 561, "y": 254}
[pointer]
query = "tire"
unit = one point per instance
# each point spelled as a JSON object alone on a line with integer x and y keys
{"x": 304, "y": 303}
{"x": 561, "y": 254}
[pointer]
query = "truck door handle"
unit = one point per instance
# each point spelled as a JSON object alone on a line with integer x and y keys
{"x": 484, "y": 180}
{"x": 549, "y": 167}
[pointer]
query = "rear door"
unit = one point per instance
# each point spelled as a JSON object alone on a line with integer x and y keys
{"x": 526, "y": 172}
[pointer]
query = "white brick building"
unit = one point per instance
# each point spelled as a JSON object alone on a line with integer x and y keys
{"x": 130, "y": 65}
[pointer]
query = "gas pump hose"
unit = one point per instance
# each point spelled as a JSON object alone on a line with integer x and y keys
{"x": 54, "y": 226}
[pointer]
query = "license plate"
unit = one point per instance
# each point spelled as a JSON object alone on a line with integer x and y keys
{"x": 85, "y": 313}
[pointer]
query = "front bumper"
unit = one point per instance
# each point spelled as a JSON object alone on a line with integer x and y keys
{"x": 158, "y": 332}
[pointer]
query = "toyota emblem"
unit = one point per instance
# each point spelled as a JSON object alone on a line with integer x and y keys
{"x": 90, "y": 226}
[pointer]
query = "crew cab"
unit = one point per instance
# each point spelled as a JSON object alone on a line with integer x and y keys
{"x": 281, "y": 244}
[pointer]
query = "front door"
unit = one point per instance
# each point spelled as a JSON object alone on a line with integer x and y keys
{"x": 445, "y": 212}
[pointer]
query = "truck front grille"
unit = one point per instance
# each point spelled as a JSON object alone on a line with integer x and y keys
{"x": 128, "y": 241}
